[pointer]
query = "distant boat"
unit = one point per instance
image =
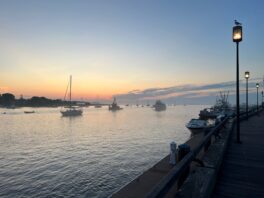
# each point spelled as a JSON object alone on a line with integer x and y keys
{"x": 97, "y": 105}
{"x": 159, "y": 106}
{"x": 71, "y": 110}
{"x": 29, "y": 111}
{"x": 114, "y": 106}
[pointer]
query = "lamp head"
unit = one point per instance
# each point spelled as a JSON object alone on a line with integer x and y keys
{"x": 247, "y": 74}
{"x": 237, "y": 33}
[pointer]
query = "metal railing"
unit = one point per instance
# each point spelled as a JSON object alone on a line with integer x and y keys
{"x": 166, "y": 183}
{"x": 160, "y": 189}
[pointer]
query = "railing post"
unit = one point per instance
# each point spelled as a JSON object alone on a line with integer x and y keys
{"x": 207, "y": 144}
{"x": 183, "y": 150}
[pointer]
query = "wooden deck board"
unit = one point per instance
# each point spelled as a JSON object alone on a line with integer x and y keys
{"x": 242, "y": 171}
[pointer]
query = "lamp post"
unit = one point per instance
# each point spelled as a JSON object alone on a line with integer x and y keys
{"x": 262, "y": 99}
{"x": 257, "y": 86}
{"x": 247, "y": 74}
{"x": 237, "y": 37}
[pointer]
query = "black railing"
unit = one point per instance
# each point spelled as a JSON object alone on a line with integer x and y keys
{"x": 166, "y": 183}
{"x": 169, "y": 180}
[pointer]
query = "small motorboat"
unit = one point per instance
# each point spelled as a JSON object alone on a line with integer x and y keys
{"x": 197, "y": 125}
{"x": 29, "y": 111}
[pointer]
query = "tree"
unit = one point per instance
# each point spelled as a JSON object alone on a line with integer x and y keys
{"x": 8, "y": 99}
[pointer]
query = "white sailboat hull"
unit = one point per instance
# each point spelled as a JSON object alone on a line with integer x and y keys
{"x": 72, "y": 112}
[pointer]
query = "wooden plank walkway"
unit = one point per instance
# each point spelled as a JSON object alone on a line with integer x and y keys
{"x": 242, "y": 171}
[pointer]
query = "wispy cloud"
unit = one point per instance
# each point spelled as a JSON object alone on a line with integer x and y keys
{"x": 185, "y": 93}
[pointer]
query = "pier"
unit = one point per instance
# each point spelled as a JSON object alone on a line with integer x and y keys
{"x": 242, "y": 171}
{"x": 217, "y": 166}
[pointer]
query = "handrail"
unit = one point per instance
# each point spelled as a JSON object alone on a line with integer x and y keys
{"x": 165, "y": 184}
{"x": 160, "y": 189}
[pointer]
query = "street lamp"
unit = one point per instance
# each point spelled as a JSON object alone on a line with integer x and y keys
{"x": 237, "y": 37}
{"x": 247, "y": 74}
{"x": 257, "y": 86}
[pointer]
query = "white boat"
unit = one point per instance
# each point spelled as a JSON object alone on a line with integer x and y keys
{"x": 159, "y": 106}
{"x": 196, "y": 125}
{"x": 71, "y": 110}
{"x": 114, "y": 106}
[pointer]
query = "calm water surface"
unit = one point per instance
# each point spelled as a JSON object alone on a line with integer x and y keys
{"x": 46, "y": 155}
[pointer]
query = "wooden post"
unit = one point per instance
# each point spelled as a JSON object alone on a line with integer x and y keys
{"x": 183, "y": 150}
{"x": 207, "y": 144}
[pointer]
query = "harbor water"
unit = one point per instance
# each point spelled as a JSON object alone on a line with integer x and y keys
{"x": 45, "y": 155}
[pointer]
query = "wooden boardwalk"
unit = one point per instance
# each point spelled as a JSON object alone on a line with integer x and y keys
{"x": 242, "y": 171}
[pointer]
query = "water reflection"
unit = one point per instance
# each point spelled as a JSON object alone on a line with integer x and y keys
{"x": 44, "y": 154}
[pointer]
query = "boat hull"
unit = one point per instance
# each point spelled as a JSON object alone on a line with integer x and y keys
{"x": 163, "y": 108}
{"x": 68, "y": 113}
{"x": 114, "y": 108}
{"x": 28, "y": 112}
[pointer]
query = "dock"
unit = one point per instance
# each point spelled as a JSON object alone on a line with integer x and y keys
{"x": 222, "y": 168}
{"x": 242, "y": 171}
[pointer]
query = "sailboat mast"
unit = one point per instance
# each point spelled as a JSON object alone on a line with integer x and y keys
{"x": 70, "y": 87}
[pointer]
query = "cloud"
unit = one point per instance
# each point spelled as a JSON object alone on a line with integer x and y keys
{"x": 4, "y": 89}
{"x": 204, "y": 94}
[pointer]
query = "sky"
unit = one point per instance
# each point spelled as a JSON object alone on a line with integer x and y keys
{"x": 113, "y": 47}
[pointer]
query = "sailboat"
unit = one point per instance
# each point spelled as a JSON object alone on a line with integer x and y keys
{"x": 71, "y": 110}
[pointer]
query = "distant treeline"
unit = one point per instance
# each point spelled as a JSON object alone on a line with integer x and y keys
{"x": 9, "y": 100}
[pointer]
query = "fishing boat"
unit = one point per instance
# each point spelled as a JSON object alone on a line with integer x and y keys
{"x": 71, "y": 110}
{"x": 221, "y": 107}
{"x": 208, "y": 113}
{"x": 114, "y": 106}
{"x": 159, "y": 106}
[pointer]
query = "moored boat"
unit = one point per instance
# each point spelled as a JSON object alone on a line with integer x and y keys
{"x": 97, "y": 105}
{"x": 29, "y": 111}
{"x": 196, "y": 125}
{"x": 159, "y": 106}
{"x": 208, "y": 113}
{"x": 221, "y": 107}
{"x": 114, "y": 106}
{"x": 71, "y": 110}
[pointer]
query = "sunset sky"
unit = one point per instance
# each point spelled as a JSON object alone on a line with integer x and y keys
{"x": 115, "y": 46}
